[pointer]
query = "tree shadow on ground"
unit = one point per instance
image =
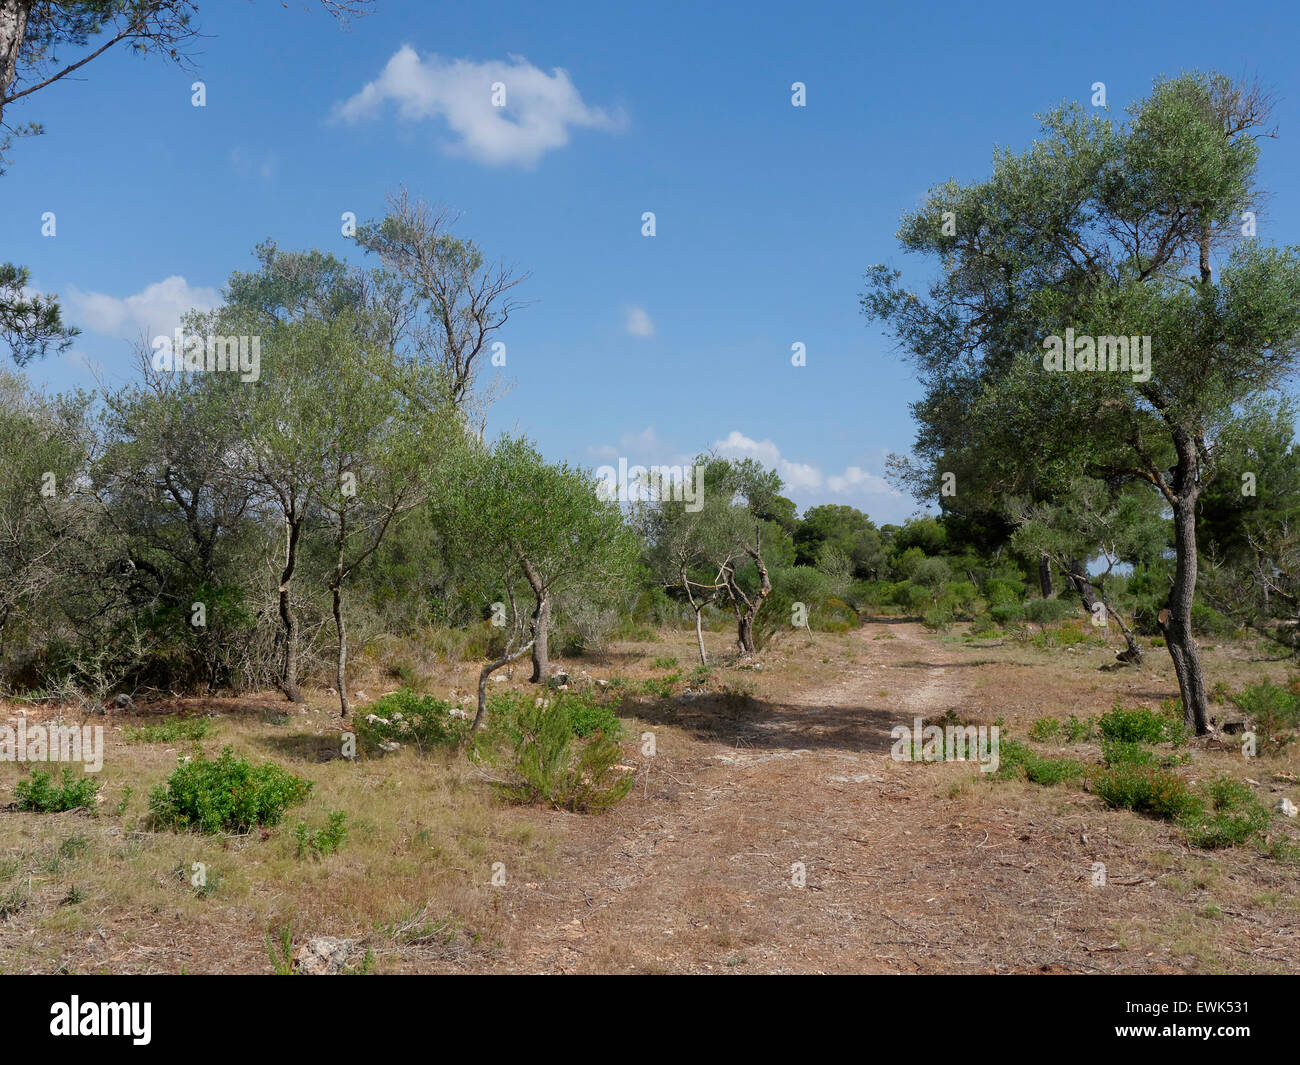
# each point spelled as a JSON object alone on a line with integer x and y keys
{"x": 747, "y": 722}
{"x": 305, "y": 746}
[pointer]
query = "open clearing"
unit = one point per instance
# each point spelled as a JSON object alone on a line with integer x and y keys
{"x": 908, "y": 867}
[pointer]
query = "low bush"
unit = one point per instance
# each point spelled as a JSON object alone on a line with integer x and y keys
{"x": 1139, "y": 725}
{"x": 536, "y": 743}
{"x": 1007, "y": 614}
{"x": 225, "y": 794}
{"x": 40, "y": 794}
{"x": 1149, "y": 790}
{"x": 1274, "y": 709}
{"x": 173, "y": 730}
{"x": 1233, "y": 816}
{"x": 405, "y": 717}
{"x": 322, "y": 842}
{"x": 1046, "y": 611}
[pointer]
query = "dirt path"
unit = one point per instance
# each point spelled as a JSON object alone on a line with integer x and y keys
{"x": 703, "y": 873}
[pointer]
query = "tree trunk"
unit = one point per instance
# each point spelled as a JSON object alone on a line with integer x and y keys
{"x": 541, "y": 619}
{"x": 1045, "y": 576}
{"x": 289, "y": 671}
{"x": 745, "y": 633}
{"x": 481, "y": 715}
{"x": 13, "y": 28}
{"x": 699, "y": 634}
{"x": 1078, "y": 577}
{"x": 341, "y": 670}
{"x": 1176, "y": 620}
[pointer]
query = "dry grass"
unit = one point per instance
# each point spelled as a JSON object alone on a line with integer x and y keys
{"x": 909, "y": 868}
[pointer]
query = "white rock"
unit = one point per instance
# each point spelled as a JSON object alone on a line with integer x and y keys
{"x": 322, "y": 956}
{"x": 1285, "y": 806}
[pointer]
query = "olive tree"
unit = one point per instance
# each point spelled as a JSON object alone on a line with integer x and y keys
{"x": 1103, "y": 236}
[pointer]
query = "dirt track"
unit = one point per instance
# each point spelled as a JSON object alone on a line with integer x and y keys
{"x": 698, "y": 875}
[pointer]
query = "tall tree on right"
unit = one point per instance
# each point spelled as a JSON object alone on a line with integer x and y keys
{"x": 1134, "y": 229}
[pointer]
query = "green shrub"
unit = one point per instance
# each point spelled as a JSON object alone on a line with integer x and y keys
{"x": 1272, "y": 707}
{"x": 1007, "y": 614}
{"x": 938, "y": 619}
{"x": 1234, "y": 815}
{"x": 1125, "y": 752}
{"x": 1077, "y": 731}
{"x": 1002, "y": 592}
{"x": 225, "y": 794}
{"x": 405, "y": 717}
{"x": 1206, "y": 621}
{"x": 1045, "y": 730}
{"x": 173, "y": 730}
{"x": 1148, "y": 790}
{"x": 322, "y": 842}
{"x": 1045, "y": 611}
{"x": 983, "y": 625}
{"x": 546, "y": 761}
{"x": 1016, "y": 759}
{"x": 1139, "y": 725}
{"x": 39, "y": 794}
{"x": 588, "y": 716}
{"x": 665, "y": 662}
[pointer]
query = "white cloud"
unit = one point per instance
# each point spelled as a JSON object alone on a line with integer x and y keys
{"x": 803, "y": 478}
{"x": 646, "y": 448}
{"x": 855, "y": 478}
{"x": 638, "y": 322}
{"x": 796, "y": 475}
{"x": 156, "y": 309}
{"x": 540, "y": 109}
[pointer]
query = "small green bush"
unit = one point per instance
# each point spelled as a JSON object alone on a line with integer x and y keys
{"x": 1045, "y": 730}
{"x": 1234, "y": 815}
{"x": 1016, "y": 759}
{"x": 983, "y": 625}
{"x": 1045, "y": 611}
{"x": 39, "y": 794}
{"x": 322, "y": 842}
{"x": 1007, "y": 615}
{"x": 1077, "y": 731}
{"x": 1273, "y": 708}
{"x": 536, "y": 742}
{"x": 173, "y": 730}
{"x": 1002, "y": 592}
{"x": 1139, "y": 725}
{"x": 225, "y": 794}
{"x": 1149, "y": 790}
{"x": 1124, "y": 752}
{"x": 405, "y": 717}
{"x": 588, "y": 716}
{"x": 938, "y": 618}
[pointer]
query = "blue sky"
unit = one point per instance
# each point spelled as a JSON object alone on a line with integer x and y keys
{"x": 650, "y": 348}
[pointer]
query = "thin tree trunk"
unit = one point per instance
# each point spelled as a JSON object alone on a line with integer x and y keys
{"x": 1045, "y": 575}
{"x": 1176, "y": 620}
{"x": 541, "y": 649}
{"x": 341, "y": 667}
{"x": 481, "y": 715}
{"x": 699, "y": 634}
{"x": 289, "y": 672}
{"x": 1078, "y": 577}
